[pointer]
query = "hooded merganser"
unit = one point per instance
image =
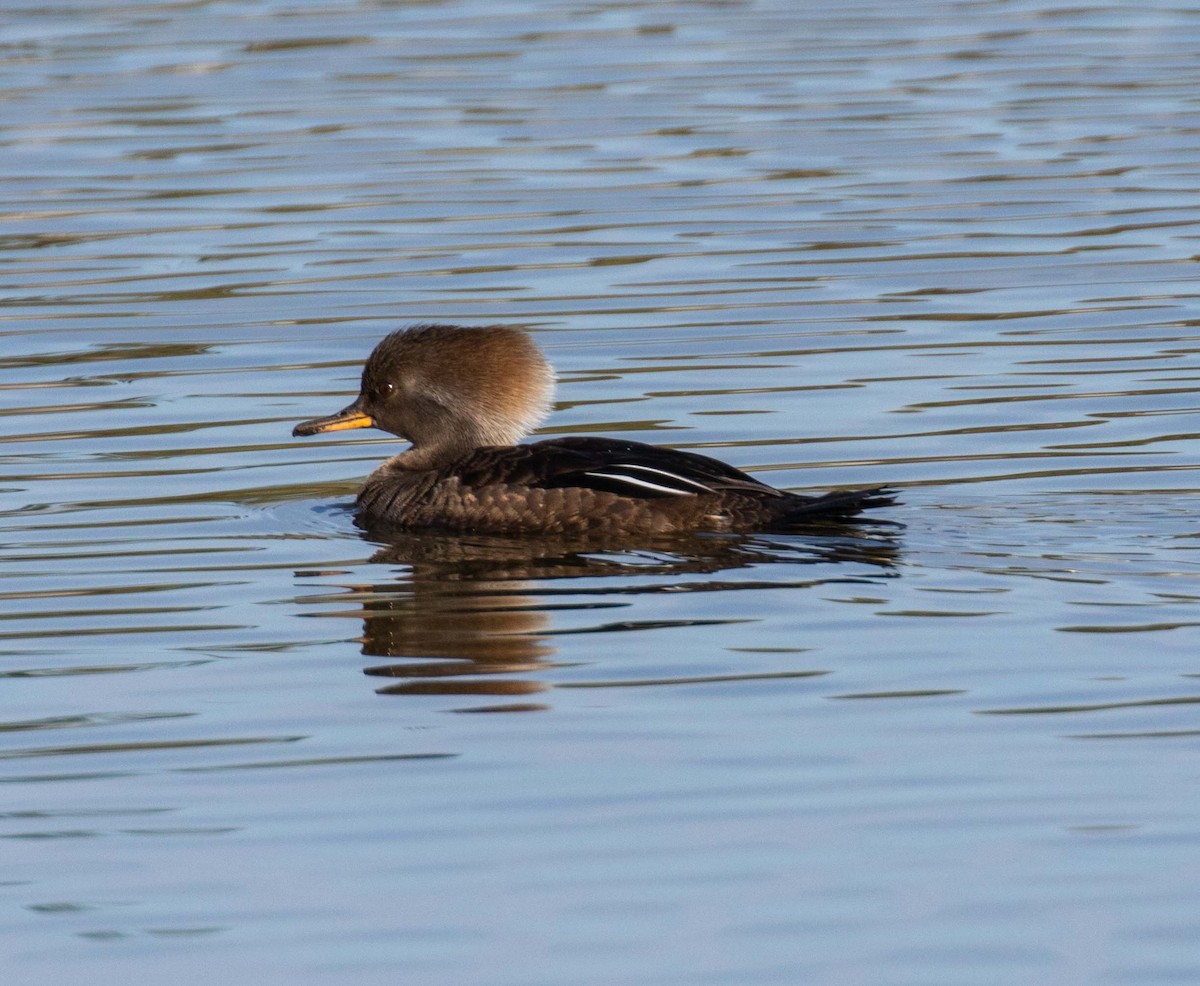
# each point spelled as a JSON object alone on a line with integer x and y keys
{"x": 465, "y": 396}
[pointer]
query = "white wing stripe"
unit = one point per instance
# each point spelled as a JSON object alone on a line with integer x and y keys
{"x": 616, "y": 474}
{"x": 674, "y": 477}
{"x": 631, "y": 481}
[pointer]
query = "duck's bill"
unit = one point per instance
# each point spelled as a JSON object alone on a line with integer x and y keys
{"x": 347, "y": 417}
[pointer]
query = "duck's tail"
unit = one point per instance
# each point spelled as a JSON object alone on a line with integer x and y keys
{"x": 835, "y": 506}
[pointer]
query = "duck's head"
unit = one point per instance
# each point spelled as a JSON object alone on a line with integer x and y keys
{"x": 448, "y": 389}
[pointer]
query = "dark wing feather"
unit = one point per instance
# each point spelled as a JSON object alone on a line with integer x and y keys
{"x": 608, "y": 465}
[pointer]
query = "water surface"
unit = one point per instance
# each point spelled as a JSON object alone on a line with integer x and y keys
{"x": 947, "y": 247}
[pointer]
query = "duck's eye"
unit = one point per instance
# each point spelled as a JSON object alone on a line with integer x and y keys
{"x": 386, "y": 390}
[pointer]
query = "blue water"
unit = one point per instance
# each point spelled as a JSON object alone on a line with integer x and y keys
{"x": 949, "y": 248}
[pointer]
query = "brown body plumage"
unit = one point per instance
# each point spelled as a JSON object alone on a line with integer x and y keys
{"x": 465, "y": 396}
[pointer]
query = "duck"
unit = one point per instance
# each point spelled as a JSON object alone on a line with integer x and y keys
{"x": 464, "y": 397}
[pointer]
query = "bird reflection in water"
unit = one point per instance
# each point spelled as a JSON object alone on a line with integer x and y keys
{"x": 473, "y": 615}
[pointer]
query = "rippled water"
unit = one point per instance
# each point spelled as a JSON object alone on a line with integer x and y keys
{"x": 950, "y": 247}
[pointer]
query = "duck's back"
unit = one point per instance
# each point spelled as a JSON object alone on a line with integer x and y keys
{"x": 586, "y": 484}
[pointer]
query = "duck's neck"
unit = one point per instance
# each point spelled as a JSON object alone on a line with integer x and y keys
{"x": 426, "y": 457}
{"x": 442, "y": 438}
